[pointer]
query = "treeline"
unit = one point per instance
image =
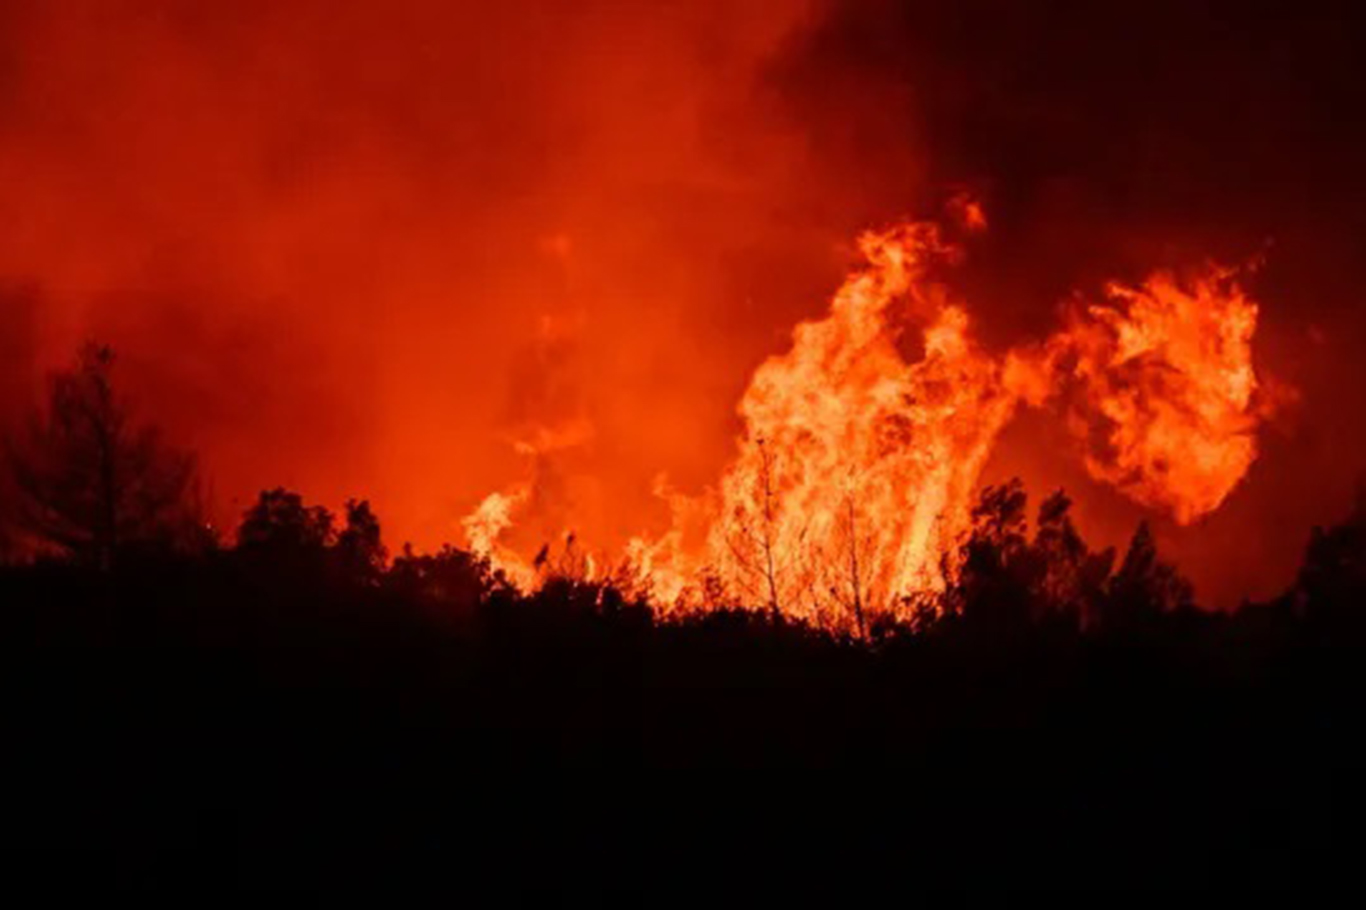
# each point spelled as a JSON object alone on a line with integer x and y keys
{"x": 87, "y": 484}
{"x": 296, "y": 709}
{"x": 296, "y": 705}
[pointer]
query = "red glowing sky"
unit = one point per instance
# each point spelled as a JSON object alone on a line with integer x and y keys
{"x": 357, "y": 248}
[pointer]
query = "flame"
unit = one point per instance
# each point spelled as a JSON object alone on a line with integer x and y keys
{"x": 1169, "y": 402}
{"x": 857, "y": 467}
{"x": 853, "y": 480}
{"x": 966, "y": 209}
{"x": 487, "y": 523}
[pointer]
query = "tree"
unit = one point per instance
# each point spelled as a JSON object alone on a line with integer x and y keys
{"x": 450, "y": 578}
{"x": 1331, "y": 585}
{"x": 845, "y": 571}
{"x": 752, "y": 538}
{"x": 359, "y": 545}
{"x": 856, "y": 582}
{"x": 281, "y": 523}
{"x": 1006, "y": 579}
{"x": 994, "y": 584}
{"x": 1070, "y": 579}
{"x": 91, "y": 479}
{"x": 765, "y": 538}
{"x": 1144, "y": 587}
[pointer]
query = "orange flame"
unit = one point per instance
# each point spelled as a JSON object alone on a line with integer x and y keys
{"x": 487, "y": 523}
{"x": 853, "y": 481}
{"x": 857, "y": 468}
{"x": 1169, "y": 393}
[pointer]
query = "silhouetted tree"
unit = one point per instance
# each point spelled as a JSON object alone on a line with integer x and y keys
{"x": 90, "y": 478}
{"x": 849, "y": 570}
{"x": 1069, "y": 578}
{"x": 766, "y": 573}
{"x": 1331, "y": 585}
{"x": 359, "y": 546}
{"x": 1005, "y": 578}
{"x": 280, "y": 522}
{"x": 449, "y": 577}
{"x": 1144, "y": 587}
{"x": 994, "y": 580}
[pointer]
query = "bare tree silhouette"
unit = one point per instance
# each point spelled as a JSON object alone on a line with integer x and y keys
{"x": 751, "y": 537}
{"x": 90, "y": 478}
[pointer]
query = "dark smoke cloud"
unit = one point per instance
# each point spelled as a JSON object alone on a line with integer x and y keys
{"x": 327, "y": 236}
{"x": 1108, "y": 139}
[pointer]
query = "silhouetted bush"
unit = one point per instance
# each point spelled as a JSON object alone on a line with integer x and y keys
{"x": 295, "y": 709}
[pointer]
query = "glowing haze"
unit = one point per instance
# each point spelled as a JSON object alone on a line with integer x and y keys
{"x": 854, "y": 481}
{"x": 423, "y": 252}
{"x": 361, "y": 249}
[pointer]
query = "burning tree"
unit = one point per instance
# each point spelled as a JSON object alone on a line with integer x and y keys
{"x": 750, "y": 538}
{"x": 90, "y": 479}
{"x": 865, "y": 442}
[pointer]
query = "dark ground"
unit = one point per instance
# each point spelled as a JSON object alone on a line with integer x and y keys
{"x": 219, "y": 721}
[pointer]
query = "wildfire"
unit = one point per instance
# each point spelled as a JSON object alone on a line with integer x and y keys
{"x": 1168, "y": 394}
{"x": 486, "y": 523}
{"x": 853, "y": 480}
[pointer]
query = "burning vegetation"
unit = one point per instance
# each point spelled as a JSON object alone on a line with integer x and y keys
{"x": 734, "y": 520}
{"x": 852, "y": 486}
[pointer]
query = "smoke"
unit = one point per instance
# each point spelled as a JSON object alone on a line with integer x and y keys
{"x": 1107, "y": 141}
{"x": 375, "y": 249}
{"x": 325, "y": 236}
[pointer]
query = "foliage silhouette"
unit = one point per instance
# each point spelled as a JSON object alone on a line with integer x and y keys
{"x": 279, "y": 521}
{"x": 297, "y": 709}
{"x": 91, "y": 480}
